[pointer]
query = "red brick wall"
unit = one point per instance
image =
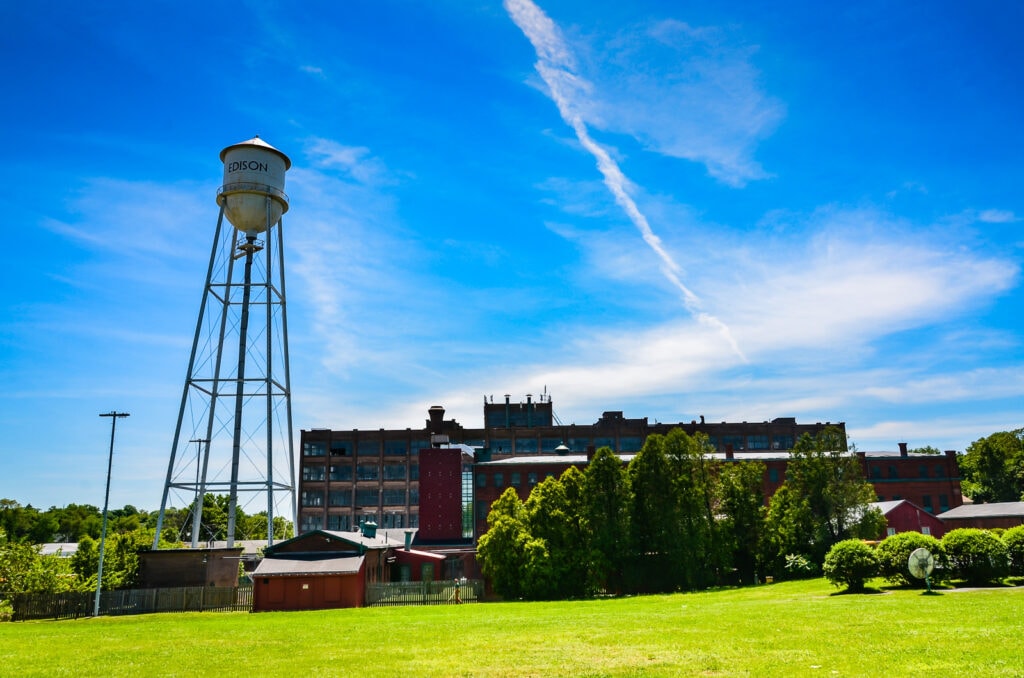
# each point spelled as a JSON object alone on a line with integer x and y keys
{"x": 440, "y": 510}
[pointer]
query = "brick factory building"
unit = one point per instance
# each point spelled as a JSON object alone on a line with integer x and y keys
{"x": 439, "y": 478}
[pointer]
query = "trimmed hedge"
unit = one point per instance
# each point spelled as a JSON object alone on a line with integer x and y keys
{"x": 850, "y": 563}
{"x": 1014, "y": 540}
{"x": 894, "y": 553}
{"x": 976, "y": 556}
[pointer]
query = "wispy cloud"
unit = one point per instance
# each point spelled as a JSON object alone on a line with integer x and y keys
{"x": 556, "y": 66}
{"x": 993, "y": 216}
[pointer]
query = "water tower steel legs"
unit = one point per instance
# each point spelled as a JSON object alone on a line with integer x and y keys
{"x": 201, "y": 392}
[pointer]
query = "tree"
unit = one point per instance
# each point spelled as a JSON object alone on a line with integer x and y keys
{"x": 831, "y": 481}
{"x": 24, "y": 570}
{"x": 502, "y": 550}
{"x": 606, "y": 509}
{"x": 744, "y": 513}
{"x": 993, "y": 467}
{"x": 75, "y": 521}
{"x": 850, "y": 563}
{"x": 655, "y": 541}
{"x": 702, "y": 552}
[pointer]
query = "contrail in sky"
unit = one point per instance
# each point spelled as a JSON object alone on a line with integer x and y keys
{"x": 556, "y": 65}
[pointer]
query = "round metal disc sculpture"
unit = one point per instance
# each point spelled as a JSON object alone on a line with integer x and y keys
{"x": 921, "y": 563}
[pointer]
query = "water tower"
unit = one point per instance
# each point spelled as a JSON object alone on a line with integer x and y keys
{"x": 234, "y": 430}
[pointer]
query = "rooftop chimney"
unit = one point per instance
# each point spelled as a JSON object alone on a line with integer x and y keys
{"x": 903, "y": 449}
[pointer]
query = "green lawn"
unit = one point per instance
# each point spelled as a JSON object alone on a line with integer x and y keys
{"x": 786, "y": 629}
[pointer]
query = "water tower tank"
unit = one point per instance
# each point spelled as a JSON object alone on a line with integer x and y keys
{"x": 253, "y": 170}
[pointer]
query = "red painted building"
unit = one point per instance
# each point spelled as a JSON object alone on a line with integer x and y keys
{"x": 904, "y": 516}
{"x": 324, "y": 569}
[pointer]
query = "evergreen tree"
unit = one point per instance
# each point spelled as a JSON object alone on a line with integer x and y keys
{"x": 606, "y": 509}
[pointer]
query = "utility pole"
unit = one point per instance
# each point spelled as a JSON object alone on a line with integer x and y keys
{"x": 114, "y": 416}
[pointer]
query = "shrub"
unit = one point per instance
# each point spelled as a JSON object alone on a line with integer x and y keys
{"x": 799, "y": 567}
{"x": 894, "y": 553}
{"x": 6, "y": 611}
{"x": 975, "y": 556}
{"x": 1014, "y": 540}
{"x": 850, "y": 562}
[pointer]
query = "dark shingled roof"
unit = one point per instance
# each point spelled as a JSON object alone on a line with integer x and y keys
{"x": 308, "y": 565}
{"x": 1005, "y": 509}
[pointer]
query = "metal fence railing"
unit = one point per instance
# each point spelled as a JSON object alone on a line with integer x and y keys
{"x": 131, "y": 601}
{"x": 424, "y": 593}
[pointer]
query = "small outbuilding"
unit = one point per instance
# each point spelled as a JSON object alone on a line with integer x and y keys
{"x": 906, "y": 516}
{"x": 328, "y": 569}
{"x": 985, "y": 516}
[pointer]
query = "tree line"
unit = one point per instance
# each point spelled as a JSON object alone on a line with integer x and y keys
{"x": 676, "y": 519}
{"x": 23, "y": 569}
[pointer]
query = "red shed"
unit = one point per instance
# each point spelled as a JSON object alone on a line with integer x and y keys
{"x": 905, "y": 516}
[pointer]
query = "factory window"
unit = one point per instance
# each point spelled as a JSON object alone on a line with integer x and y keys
{"x": 773, "y": 475}
{"x": 578, "y": 444}
{"x": 481, "y": 480}
{"x": 369, "y": 448}
{"x": 415, "y": 448}
{"x": 738, "y": 442}
{"x": 340, "y": 498}
{"x": 396, "y": 448}
{"x": 893, "y": 473}
{"x": 393, "y": 520}
{"x": 394, "y": 472}
{"x": 367, "y": 497}
{"x": 414, "y": 496}
{"x": 925, "y": 530}
{"x": 367, "y": 472}
{"x": 339, "y": 523}
{"x": 940, "y": 471}
{"x": 608, "y": 442}
{"x": 310, "y": 523}
{"x": 414, "y": 471}
{"x": 341, "y": 448}
{"x": 526, "y": 446}
{"x": 341, "y": 472}
{"x": 713, "y": 442}
{"x": 482, "y": 509}
{"x": 313, "y": 473}
{"x": 531, "y": 478}
{"x": 757, "y": 442}
{"x": 393, "y": 498}
{"x": 313, "y": 449}
{"x": 630, "y": 444}
{"x": 782, "y": 442}
{"x": 312, "y": 498}
{"x": 501, "y": 446}
{"x": 549, "y": 444}
{"x": 943, "y": 503}
{"x": 926, "y": 502}
{"x": 923, "y": 471}
{"x": 499, "y": 479}
{"x": 876, "y": 471}
{"x": 514, "y": 479}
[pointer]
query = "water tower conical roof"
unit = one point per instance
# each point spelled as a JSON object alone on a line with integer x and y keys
{"x": 256, "y": 141}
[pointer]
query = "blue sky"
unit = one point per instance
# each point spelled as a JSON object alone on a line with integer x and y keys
{"x": 672, "y": 209}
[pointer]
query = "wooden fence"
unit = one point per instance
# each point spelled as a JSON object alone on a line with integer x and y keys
{"x": 131, "y": 601}
{"x": 424, "y": 593}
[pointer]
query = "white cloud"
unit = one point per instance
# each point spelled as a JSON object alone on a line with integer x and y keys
{"x": 993, "y": 216}
{"x": 686, "y": 92}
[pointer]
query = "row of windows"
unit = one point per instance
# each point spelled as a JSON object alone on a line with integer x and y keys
{"x": 372, "y": 497}
{"x": 515, "y": 479}
{"x": 345, "y": 522}
{"x": 343, "y": 472}
{"x": 368, "y": 448}
{"x": 922, "y": 471}
{"x": 752, "y": 442}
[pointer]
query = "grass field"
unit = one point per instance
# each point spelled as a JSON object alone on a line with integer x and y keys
{"x": 787, "y": 629}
